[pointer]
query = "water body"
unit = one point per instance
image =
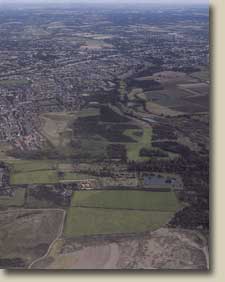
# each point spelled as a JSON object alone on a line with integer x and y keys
{"x": 159, "y": 180}
{"x": 149, "y": 119}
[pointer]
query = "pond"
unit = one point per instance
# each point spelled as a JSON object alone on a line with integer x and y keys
{"x": 160, "y": 180}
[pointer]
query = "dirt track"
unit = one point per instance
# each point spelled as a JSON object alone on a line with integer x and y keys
{"x": 57, "y": 237}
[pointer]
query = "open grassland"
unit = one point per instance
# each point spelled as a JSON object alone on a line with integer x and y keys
{"x": 34, "y": 177}
{"x": 91, "y": 148}
{"x": 88, "y": 112}
{"x": 92, "y": 221}
{"x": 14, "y": 82}
{"x": 16, "y": 200}
{"x": 122, "y": 89}
{"x": 42, "y": 172}
{"x": 142, "y": 141}
{"x": 176, "y": 96}
{"x": 33, "y": 172}
{"x": 160, "y": 110}
{"x": 18, "y": 166}
{"x": 29, "y": 234}
{"x": 107, "y": 212}
{"x": 75, "y": 176}
{"x": 136, "y": 200}
{"x": 88, "y": 133}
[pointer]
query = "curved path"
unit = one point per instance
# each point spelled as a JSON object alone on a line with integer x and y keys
{"x": 60, "y": 231}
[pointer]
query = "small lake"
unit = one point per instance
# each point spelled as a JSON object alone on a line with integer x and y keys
{"x": 159, "y": 180}
{"x": 149, "y": 119}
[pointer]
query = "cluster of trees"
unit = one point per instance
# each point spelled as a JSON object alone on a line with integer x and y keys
{"x": 146, "y": 85}
{"x": 12, "y": 262}
{"x": 153, "y": 153}
{"x": 117, "y": 151}
{"x": 56, "y": 196}
{"x": 172, "y": 146}
{"x": 191, "y": 217}
{"x": 163, "y": 131}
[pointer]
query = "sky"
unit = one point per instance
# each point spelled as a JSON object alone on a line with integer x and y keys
{"x": 109, "y": 1}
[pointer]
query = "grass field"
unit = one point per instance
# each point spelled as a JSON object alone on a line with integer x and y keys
{"x": 92, "y": 148}
{"x": 143, "y": 141}
{"x": 14, "y": 82}
{"x": 107, "y": 212}
{"x": 42, "y": 172}
{"x": 88, "y": 112}
{"x": 31, "y": 165}
{"x": 33, "y": 172}
{"x": 154, "y": 201}
{"x": 27, "y": 234}
{"x": 75, "y": 176}
{"x": 92, "y": 221}
{"x": 34, "y": 177}
{"x": 16, "y": 201}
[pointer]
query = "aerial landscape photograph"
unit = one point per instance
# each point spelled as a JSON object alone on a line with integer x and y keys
{"x": 104, "y": 135}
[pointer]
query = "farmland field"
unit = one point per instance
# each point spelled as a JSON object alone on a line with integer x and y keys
{"x": 14, "y": 82}
{"x": 42, "y": 172}
{"x": 91, "y": 221}
{"x": 136, "y": 200}
{"x": 143, "y": 141}
{"x": 34, "y": 177}
{"x": 29, "y": 233}
{"x": 107, "y": 212}
{"x": 75, "y": 176}
{"x": 31, "y": 165}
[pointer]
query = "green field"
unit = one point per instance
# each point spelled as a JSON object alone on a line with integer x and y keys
{"x": 41, "y": 172}
{"x": 88, "y": 112}
{"x": 107, "y": 212}
{"x": 92, "y": 221}
{"x": 34, "y": 177}
{"x": 33, "y": 172}
{"x": 15, "y": 201}
{"x": 92, "y": 148}
{"x": 75, "y": 176}
{"x": 137, "y": 200}
{"x": 14, "y": 82}
{"x": 143, "y": 141}
{"x": 31, "y": 165}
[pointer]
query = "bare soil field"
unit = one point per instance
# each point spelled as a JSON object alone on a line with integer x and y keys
{"x": 162, "y": 249}
{"x": 56, "y": 125}
{"x": 195, "y": 88}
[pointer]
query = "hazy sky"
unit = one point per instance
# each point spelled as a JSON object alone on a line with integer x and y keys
{"x": 111, "y": 1}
